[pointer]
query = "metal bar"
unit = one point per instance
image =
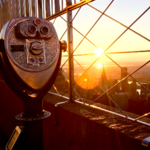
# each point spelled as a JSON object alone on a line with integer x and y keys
{"x": 51, "y": 7}
{"x": 58, "y": 95}
{"x": 33, "y": 8}
{"x": 24, "y": 8}
{"x": 72, "y": 7}
{"x": 126, "y": 52}
{"x": 77, "y": 93}
{"x": 93, "y": 25}
{"x": 47, "y": 8}
{"x": 128, "y": 73}
{"x": 55, "y": 89}
{"x": 107, "y": 91}
{"x": 64, "y": 64}
{"x": 36, "y": 9}
{"x": 70, "y": 50}
{"x": 54, "y": 20}
{"x": 63, "y": 35}
{"x": 40, "y": 8}
{"x": 65, "y": 92}
{"x": 61, "y": 4}
{"x": 128, "y": 28}
{"x": 19, "y": 8}
{"x": 103, "y": 91}
{"x": 145, "y": 115}
{"x": 120, "y": 23}
{"x": 71, "y": 21}
{"x": 57, "y": 6}
{"x": 80, "y": 55}
{"x": 2, "y": 14}
{"x": 116, "y": 39}
{"x": 90, "y": 30}
{"x": 44, "y": 3}
{"x": 140, "y": 51}
{"x": 66, "y": 31}
{"x": 105, "y": 110}
{"x": 72, "y": 87}
{"x": 76, "y": 13}
{"x": 30, "y": 8}
{"x": 81, "y": 33}
{"x": 43, "y": 9}
{"x": 15, "y": 8}
{"x": 85, "y": 37}
{"x": 11, "y": 9}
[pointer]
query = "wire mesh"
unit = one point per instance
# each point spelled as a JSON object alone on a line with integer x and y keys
{"x": 124, "y": 88}
{"x": 118, "y": 90}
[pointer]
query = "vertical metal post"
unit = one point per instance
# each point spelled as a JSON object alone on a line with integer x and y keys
{"x": 47, "y": 8}
{"x": 36, "y": 9}
{"x": 57, "y": 6}
{"x": 70, "y": 50}
{"x": 11, "y": 9}
{"x": 40, "y": 8}
{"x": 33, "y": 8}
{"x": 24, "y": 8}
{"x": 52, "y": 7}
{"x": 19, "y": 7}
{"x": 15, "y": 9}
{"x": 30, "y": 8}
{"x": 43, "y": 9}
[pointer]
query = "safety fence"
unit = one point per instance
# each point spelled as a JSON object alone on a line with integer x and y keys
{"x": 109, "y": 74}
{"x": 107, "y": 61}
{"x": 31, "y": 8}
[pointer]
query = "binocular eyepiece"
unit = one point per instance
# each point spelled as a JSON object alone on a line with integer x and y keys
{"x": 30, "y": 56}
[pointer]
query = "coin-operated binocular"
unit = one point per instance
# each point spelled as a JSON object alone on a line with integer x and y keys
{"x": 30, "y": 60}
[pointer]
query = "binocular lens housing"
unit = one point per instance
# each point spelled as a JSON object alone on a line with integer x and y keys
{"x": 32, "y": 55}
{"x": 44, "y": 30}
{"x": 31, "y": 29}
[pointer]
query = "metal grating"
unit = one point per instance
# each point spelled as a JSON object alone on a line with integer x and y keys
{"x": 107, "y": 54}
{"x": 60, "y": 13}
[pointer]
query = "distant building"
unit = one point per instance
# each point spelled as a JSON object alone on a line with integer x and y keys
{"x": 116, "y": 89}
{"x": 124, "y": 84}
{"x": 103, "y": 82}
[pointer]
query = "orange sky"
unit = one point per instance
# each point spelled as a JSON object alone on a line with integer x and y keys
{"x": 106, "y": 30}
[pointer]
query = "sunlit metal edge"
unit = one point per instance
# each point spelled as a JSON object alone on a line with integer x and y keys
{"x": 102, "y": 109}
{"x": 72, "y": 7}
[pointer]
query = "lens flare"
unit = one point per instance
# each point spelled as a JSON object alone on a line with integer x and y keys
{"x": 86, "y": 82}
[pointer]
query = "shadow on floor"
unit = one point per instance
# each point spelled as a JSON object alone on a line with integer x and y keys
{"x": 3, "y": 140}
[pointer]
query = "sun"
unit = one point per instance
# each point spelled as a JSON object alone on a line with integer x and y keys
{"x": 99, "y": 65}
{"x": 98, "y": 52}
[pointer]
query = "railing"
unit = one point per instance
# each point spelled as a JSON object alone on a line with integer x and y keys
{"x": 119, "y": 94}
{"x": 31, "y": 8}
{"x": 89, "y": 84}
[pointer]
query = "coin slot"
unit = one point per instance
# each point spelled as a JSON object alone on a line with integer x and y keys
{"x": 36, "y": 48}
{"x": 17, "y": 48}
